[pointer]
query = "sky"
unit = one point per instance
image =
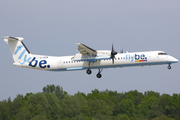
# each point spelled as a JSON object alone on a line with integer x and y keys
{"x": 54, "y": 28}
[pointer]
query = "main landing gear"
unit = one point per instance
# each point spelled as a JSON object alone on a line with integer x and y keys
{"x": 98, "y": 75}
{"x": 88, "y": 71}
{"x": 169, "y": 67}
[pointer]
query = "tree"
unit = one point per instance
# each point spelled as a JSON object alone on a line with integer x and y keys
{"x": 127, "y": 107}
{"x": 37, "y": 104}
{"x": 122, "y": 117}
{"x": 164, "y": 101}
{"x": 23, "y": 114}
{"x": 72, "y": 105}
{"x": 102, "y": 117}
{"x": 17, "y": 104}
{"x": 56, "y": 104}
{"x": 39, "y": 117}
{"x": 57, "y": 90}
{"x": 135, "y": 96}
{"x": 98, "y": 107}
{"x": 174, "y": 106}
{"x": 4, "y": 110}
{"x": 145, "y": 105}
{"x": 163, "y": 117}
{"x": 54, "y": 110}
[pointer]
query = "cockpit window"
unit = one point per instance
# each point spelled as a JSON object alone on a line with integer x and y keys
{"x": 162, "y": 54}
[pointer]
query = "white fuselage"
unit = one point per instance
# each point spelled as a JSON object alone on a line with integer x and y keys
{"x": 66, "y": 63}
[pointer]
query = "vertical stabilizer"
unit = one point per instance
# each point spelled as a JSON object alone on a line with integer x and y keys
{"x": 18, "y": 50}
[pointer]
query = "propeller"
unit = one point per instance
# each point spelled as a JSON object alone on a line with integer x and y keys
{"x": 113, "y": 53}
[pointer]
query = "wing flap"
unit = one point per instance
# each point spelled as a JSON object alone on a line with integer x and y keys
{"x": 85, "y": 50}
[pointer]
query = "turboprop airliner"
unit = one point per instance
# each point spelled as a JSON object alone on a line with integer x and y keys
{"x": 86, "y": 59}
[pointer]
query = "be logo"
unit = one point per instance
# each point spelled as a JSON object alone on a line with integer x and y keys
{"x": 140, "y": 58}
{"x": 42, "y": 63}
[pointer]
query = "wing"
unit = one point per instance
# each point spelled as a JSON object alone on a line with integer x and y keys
{"x": 85, "y": 50}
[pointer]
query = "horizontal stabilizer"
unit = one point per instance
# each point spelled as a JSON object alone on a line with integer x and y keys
{"x": 6, "y": 38}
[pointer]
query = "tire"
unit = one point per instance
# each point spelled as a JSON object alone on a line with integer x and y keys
{"x": 99, "y": 75}
{"x": 88, "y": 71}
{"x": 169, "y": 67}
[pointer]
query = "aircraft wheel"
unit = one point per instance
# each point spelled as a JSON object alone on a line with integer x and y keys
{"x": 169, "y": 67}
{"x": 99, "y": 75}
{"x": 88, "y": 71}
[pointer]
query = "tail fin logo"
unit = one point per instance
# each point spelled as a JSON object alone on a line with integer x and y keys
{"x": 22, "y": 54}
{"x": 18, "y": 48}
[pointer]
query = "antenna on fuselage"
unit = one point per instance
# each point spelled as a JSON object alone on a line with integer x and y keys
{"x": 121, "y": 51}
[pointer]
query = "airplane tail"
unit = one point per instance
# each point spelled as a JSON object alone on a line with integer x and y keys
{"x": 18, "y": 50}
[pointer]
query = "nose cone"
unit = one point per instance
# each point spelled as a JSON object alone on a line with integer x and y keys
{"x": 174, "y": 60}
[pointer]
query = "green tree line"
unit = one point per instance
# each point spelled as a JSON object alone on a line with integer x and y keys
{"x": 55, "y": 104}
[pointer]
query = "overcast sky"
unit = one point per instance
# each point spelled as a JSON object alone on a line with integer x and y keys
{"x": 54, "y": 28}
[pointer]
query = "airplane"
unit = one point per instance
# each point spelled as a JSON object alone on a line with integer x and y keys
{"x": 86, "y": 59}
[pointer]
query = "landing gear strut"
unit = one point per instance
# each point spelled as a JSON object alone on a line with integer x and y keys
{"x": 88, "y": 71}
{"x": 169, "y": 67}
{"x": 99, "y": 73}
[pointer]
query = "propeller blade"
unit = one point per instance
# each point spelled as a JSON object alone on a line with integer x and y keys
{"x": 113, "y": 53}
{"x": 113, "y": 60}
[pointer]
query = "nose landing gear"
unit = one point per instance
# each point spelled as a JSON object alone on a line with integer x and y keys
{"x": 169, "y": 67}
